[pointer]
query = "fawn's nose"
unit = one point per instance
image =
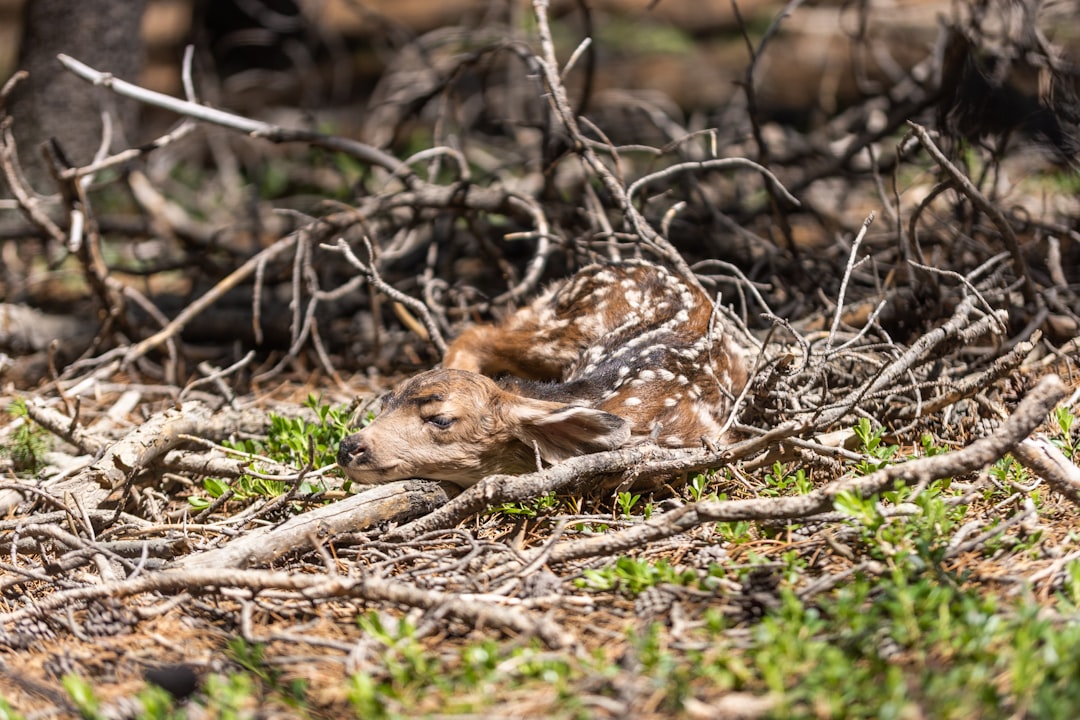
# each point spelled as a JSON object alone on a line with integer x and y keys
{"x": 352, "y": 450}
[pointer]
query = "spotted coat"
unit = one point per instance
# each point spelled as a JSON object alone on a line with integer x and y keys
{"x": 618, "y": 353}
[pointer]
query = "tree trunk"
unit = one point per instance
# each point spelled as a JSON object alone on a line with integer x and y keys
{"x": 53, "y": 103}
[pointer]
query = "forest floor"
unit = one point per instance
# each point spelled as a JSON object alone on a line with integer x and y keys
{"x": 891, "y": 535}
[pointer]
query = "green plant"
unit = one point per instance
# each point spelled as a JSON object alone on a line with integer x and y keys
{"x": 230, "y": 696}
{"x": 295, "y": 441}
{"x": 290, "y": 441}
{"x": 158, "y": 704}
{"x": 251, "y": 657}
{"x": 626, "y": 502}
{"x": 9, "y": 713}
{"x": 28, "y": 443}
{"x": 1070, "y": 590}
{"x": 82, "y": 695}
{"x": 406, "y": 660}
{"x": 782, "y": 481}
{"x": 915, "y": 539}
{"x": 1065, "y": 420}
{"x": 366, "y": 697}
{"x": 870, "y": 442}
{"x": 541, "y": 505}
{"x": 930, "y": 446}
{"x": 633, "y": 575}
{"x": 735, "y": 532}
{"x": 408, "y": 672}
{"x": 663, "y": 669}
{"x": 697, "y": 486}
{"x": 900, "y": 645}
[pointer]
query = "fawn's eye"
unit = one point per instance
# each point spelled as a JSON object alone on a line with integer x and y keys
{"x": 440, "y": 421}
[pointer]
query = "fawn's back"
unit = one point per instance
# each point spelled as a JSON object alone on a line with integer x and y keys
{"x": 618, "y": 353}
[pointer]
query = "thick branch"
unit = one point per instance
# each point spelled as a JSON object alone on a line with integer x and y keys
{"x": 395, "y": 502}
{"x": 377, "y": 590}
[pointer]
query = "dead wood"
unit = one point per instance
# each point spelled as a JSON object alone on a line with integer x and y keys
{"x": 135, "y": 452}
{"x": 394, "y": 502}
{"x": 142, "y": 449}
{"x": 475, "y": 612}
{"x": 271, "y": 132}
{"x": 981, "y": 453}
{"x": 614, "y": 468}
{"x": 980, "y": 201}
{"x": 1047, "y": 461}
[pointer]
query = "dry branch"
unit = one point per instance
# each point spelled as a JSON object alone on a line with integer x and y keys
{"x": 273, "y": 133}
{"x": 135, "y": 452}
{"x": 960, "y": 325}
{"x": 615, "y": 467}
{"x": 1046, "y": 460}
{"x": 393, "y": 502}
{"x": 475, "y": 612}
{"x": 1029, "y": 414}
{"x": 151, "y": 445}
{"x": 979, "y": 200}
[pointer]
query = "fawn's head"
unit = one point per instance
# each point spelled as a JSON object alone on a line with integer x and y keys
{"x": 460, "y": 426}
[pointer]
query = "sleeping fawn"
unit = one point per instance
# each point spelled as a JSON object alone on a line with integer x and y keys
{"x": 620, "y": 353}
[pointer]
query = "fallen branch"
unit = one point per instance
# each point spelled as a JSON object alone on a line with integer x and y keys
{"x": 136, "y": 451}
{"x": 142, "y": 449}
{"x": 1047, "y": 461}
{"x": 273, "y": 133}
{"x": 614, "y": 467}
{"x": 963, "y": 182}
{"x": 474, "y": 612}
{"x": 980, "y": 454}
{"x": 395, "y": 502}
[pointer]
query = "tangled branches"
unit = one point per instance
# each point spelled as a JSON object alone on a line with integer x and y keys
{"x": 882, "y": 280}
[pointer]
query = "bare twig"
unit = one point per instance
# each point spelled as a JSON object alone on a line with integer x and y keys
{"x": 369, "y": 271}
{"x": 274, "y": 133}
{"x": 847, "y": 276}
{"x": 213, "y": 295}
{"x": 979, "y": 200}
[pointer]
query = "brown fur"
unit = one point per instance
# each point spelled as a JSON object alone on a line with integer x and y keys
{"x": 618, "y": 353}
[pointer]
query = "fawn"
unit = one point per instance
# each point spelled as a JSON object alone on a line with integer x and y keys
{"x": 619, "y": 353}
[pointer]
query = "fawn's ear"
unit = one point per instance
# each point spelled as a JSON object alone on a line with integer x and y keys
{"x": 565, "y": 431}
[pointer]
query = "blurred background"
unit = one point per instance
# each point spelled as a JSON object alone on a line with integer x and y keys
{"x": 330, "y": 53}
